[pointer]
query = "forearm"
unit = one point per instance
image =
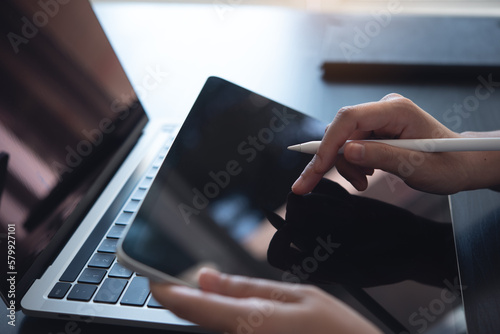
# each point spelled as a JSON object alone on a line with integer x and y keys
{"x": 485, "y": 166}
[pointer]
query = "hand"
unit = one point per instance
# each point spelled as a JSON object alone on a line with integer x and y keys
{"x": 236, "y": 304}
{"x": 392, "y": 117}
{"x": 358, "y": 241}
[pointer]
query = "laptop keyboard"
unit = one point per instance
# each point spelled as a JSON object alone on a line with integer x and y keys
{"x": 94, "y": 274}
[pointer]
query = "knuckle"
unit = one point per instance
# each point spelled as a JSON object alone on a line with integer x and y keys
{"x": 391, "y": 96}
{"x": 386, "y": 154}
{"x": 310, "y": 290}
{"x": 405, "y": 102}
{"x": 327, "y": 127}
{"x": 346, "y": 112}
{"x": 232, "y": 284}
{"x": 316, "y": 166}
{"x": 239, "y": 284}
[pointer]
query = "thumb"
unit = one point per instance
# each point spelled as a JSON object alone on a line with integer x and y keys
{"x": 395, "y": 160}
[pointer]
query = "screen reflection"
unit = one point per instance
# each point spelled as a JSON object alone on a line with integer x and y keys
{"x": 227, "y": 167}
{"x": 67, "y": 111}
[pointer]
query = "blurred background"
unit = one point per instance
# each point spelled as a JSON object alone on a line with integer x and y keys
{"x": 455, "y": 7}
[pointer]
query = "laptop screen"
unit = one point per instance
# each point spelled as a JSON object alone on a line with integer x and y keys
{"x": 67, "y": 117}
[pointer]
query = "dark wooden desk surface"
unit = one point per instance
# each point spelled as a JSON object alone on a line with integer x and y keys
{"x": 278, "y": 53}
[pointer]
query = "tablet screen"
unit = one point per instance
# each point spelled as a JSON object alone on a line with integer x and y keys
{"x": 227, "y": 166}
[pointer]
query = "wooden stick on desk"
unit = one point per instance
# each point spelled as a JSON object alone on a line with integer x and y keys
{"x": 401, "y": 72}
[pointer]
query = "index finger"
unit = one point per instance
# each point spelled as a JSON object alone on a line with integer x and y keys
{"x": 244, "y": 287}
{"x": 210, "y": 310}
{"x": 203, "y": 308}
{"x": 354, "y": 122}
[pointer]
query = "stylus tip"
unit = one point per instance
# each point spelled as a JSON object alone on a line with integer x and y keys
{"x": 295, "y": 148}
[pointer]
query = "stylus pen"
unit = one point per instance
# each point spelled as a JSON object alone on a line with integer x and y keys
{"x": 422, "y": 145}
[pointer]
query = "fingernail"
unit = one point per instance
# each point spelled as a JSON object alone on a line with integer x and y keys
{"x": 182, "y": 289}
{"x": 298, "y": 182}
{"x": 356, "y": 152}
{"x": 209, "y": 279}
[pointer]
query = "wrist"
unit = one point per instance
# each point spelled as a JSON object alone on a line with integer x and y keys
{"x": 487, "y": 166}
{"x": 482, "y": 170}
{"x": 482, "y": 166}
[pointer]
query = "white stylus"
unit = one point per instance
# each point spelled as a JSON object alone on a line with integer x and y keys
{"x": 422, "y": 145}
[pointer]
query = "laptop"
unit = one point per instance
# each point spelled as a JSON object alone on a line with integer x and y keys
{"x": 76, "y": 149}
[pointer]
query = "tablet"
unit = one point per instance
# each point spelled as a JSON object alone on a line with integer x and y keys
{"x": 227, "y": 166}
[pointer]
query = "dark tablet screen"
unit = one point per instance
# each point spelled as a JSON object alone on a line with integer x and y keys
{"x": 227, "y": 166}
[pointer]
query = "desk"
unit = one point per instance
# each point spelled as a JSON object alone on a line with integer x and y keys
{"x": 278, "y": 53}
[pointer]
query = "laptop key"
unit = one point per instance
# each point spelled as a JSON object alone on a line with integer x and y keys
{"x": 139, "y": 194}
{"x": 153, "y": 303}
{"x": 137, "y": 292}
{"x": 116, "y": 232}
{"x": 92, "y": 275}
{"x": 110, "y": 291}
{"x": 131, "y": 206}
{"x": 120, "y": 271}
{"x": 82, "y": 292}
{"x": 102, "y": 260}
{"x": 158, "y": 162}
{"x": 146, "y": 183}
{"x": 59, "y": 290}
{"x": 124, "y": 218}
{"x": 108, "y": 246}
{"x": 152, "y": 172}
